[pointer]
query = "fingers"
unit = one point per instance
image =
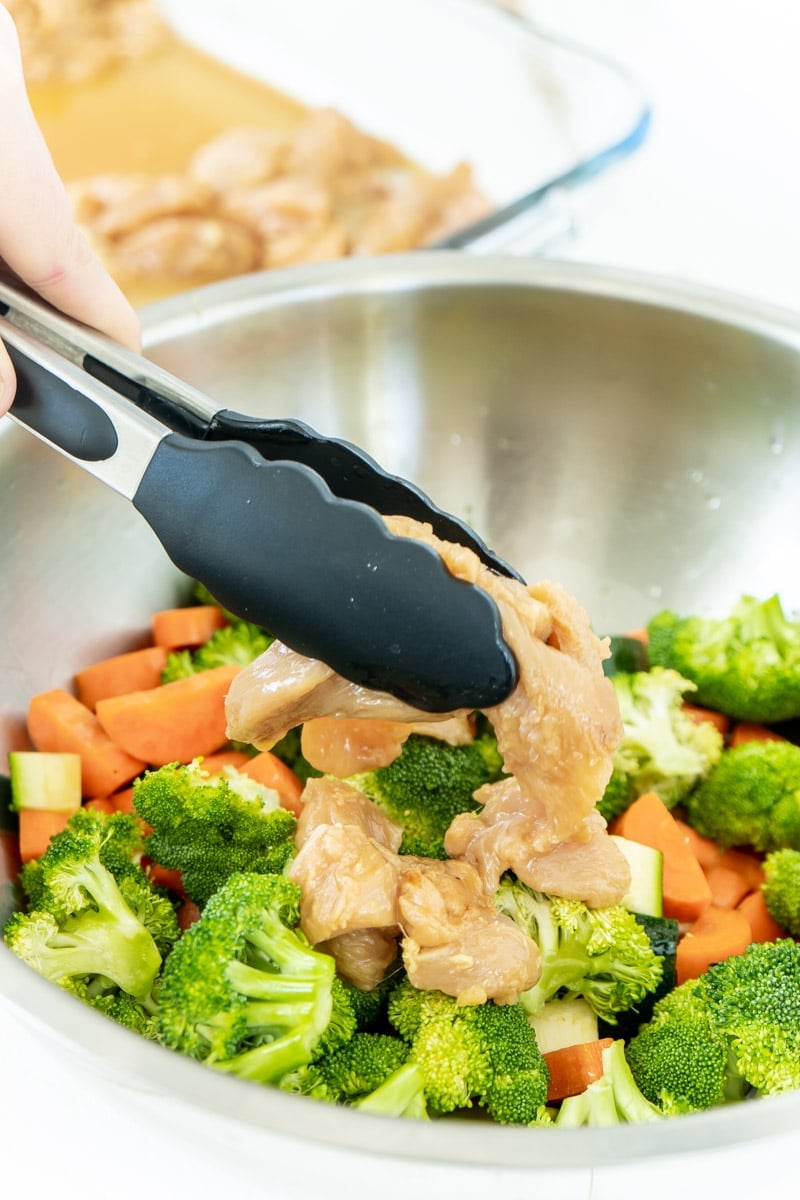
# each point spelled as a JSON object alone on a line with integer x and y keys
{"x": 38, "y": 237}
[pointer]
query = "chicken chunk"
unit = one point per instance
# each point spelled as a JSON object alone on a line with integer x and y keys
{"x": 364, "y": 956}
{"x": 331, "y": 802}
{"x": 455, "y": 940}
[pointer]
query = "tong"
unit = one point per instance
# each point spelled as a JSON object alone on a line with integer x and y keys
{"x": 281, "y": 524}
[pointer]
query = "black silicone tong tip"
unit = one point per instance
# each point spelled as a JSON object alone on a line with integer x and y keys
{"x": 271, "y": 542}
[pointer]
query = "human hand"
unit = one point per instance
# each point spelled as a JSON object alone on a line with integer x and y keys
{"x": 39, "y": 241}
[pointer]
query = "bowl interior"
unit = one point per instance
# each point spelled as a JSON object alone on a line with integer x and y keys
{"x": 638, "y": 444}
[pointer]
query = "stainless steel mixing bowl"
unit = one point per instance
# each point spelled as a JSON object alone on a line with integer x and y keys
{"x": 635, "y": 440}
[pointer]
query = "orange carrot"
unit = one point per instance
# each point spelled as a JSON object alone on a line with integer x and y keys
{"x": 102, "y": 804}
{"x": 763, "y": 926}
{"x": 179, "y": 628}
{"x": 714, "y": 936}
{"x": 751, "y": 731}
{"x": 59, "y": 722}
{"x": 36, "y": 827}
{"x": 573, "y": 1068}
{"x": 746, "y": 863}
{"x": 188, "y": 913}
{"x": 272, "y": 772}
{"x": 685, "y": 887}
{"x": 123, "y": 801}
{"x": 699, "y": 715}
{"x": 172, "y": 723}
{"x": 163, "y": 876}
{"x": 705, "y": 850}
{"x": 639, "y": 635}
{"x": 132, "y": 672}
{"x": 728, "y": 886}
{"x": 214, "y": 763}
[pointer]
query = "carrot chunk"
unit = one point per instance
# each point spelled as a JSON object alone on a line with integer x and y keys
{"x": 751, "y": 731}
{"x": 686, "y": 890}
{"x": 183, "y": 628}
{"x": 698, "y": 715}
{"x": 714, "y": 936}
{"x": 573, "y": 1068}
{"x": 36, "y": 827}
{"x": 172, "y": 723}
{"x": 272, "y": 772}
{"x": 58, "y": 722}
{"x": 763, "y": 926}
{"x": 132, "y": 672}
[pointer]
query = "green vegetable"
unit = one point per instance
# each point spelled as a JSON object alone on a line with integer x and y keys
{"x": 44, "y": 780}
{"x": 736, "y": 1027}
{"x": 244, "y": 992}
{"x": 781, "y": 888}
{"x": 751, "y": 798}
{"x": 602, "y": 954}
{"x": 237, "y": 644}
{"x": 429, "y": 784}
{"x": 460, "y": 1055}
{"x": 664, "y": 933}
{"x": 627, "y": 654}
{"x": 350, "y": 1071}
{"x": 662, "y": 749}
{"x": 92, "y": 911}
{"x": 746, "y": 665}
{"x": 202, "y": 827}
{"x": 646, "y": 891}
{"x": 613, "y": 1099}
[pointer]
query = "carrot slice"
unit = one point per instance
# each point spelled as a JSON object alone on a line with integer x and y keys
{"x": 36, "y": 827}
{"x": 9, "y": 857}
{"x": 179, "y": 628}
{"x": 698, "y": 715}
{"x": 173, "y": 723}
{"x": 58, "y": 722}
{"x": 639, "y": 635}
{"x": 573, "y": 1068}
{"x": 214, "y": 763}
{"x": 123, "y": 801}
{"x": 728, "y": 886}
{"x": 132, "y": 672}
{"x": 705, "y": 850}
{"x": 751, "y": 731}
{"x": 163, "y": 876}
{"x": 272, "y": 772}
{"x": 746, "y": 863}
{"x": 685, "y": 887}
{"x": 714, "y": 936}
{"x": 188, "y": 913}
{"x": 102, "y": 804}
{"x": 763, "y": 926}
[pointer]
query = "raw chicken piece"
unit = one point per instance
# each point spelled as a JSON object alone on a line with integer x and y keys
{"x": 344, "y": 746}
{"x": 330, "y": 802}
{"x": 348, "y": 882}
{"x": 364, "y": 956}
{"x": 186, "y": 247}
{"x": 455, "y": 940}
{"x": 240, "y": 157}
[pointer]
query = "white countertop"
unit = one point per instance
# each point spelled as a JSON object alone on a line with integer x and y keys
{"x": 713, "y": 196}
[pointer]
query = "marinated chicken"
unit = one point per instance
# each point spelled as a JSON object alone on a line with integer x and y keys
{"x": 77, "y": 39}
{"x": 261, "y": 198}
{"x": 364, "y": 956}
{"x": 455, "y": 940}
{"x": 344, "y": 746}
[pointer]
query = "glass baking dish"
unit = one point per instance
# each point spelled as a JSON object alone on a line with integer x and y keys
{"x": 445, "y": 81}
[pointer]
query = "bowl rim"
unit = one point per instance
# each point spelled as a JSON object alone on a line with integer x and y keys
{"x": 143, "y": 1065}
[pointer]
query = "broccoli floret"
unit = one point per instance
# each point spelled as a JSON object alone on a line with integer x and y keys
{"x": 781, "y": 888}
{"x": 369, "y": 1006}
{"x": 91, "y": 919}
{"x": 602, "y": 954}
{"x": 203, "y": 828}
{"x": 754, "y": 999}
{"x": 429, "y": 784}
{"x": 751, "y": 797}
{"x": 464, "y": 1054}
{"x": 237, "y": 644}
{"x": 746, "y": 665}
{"x": 613, "y": 1099}
{"x": 244, "y": 992}
{"x": 735, "y": 1028}
{"x": 359, "y": 1067}
{"x": 136, "y": 1015}
{"x": 401, "y": 1095}
{"x": 679, "y": 1059}
{"x": 662, "y": 748}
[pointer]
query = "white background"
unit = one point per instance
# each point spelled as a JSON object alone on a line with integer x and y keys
{"x": 714, "y": 197}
